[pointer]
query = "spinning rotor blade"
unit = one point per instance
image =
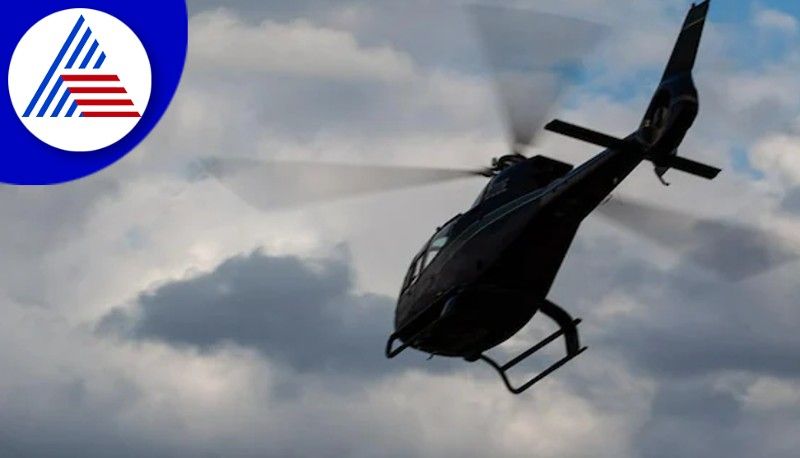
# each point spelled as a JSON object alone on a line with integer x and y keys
{"x": 271, "y": 185}
{"x": 732, "y": 250}
{"x": 533, "y": 55}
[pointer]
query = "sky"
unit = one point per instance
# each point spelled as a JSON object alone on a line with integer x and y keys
{"x": 148, "y": 311}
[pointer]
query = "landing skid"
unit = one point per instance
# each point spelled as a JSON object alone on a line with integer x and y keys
{"x": 391, "y": 351}
{"x": 568, "y": 328}
{"x": 409, "y": 340}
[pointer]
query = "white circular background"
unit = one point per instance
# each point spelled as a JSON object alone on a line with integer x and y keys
{"x": 34, "y": 54}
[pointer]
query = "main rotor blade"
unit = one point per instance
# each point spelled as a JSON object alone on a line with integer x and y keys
{"x": 734, "y": 251}
{"x": 272, "y": 185}
{"x": 533, "y": 56}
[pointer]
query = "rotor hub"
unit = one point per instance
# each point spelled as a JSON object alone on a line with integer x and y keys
{"x": 501, "y": 163}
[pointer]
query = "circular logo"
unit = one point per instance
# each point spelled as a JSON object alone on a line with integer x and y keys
{"x": 80, "y": 80}
{"x": 88, "y": 80}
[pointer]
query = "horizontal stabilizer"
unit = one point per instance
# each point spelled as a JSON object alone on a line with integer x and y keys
{"x": 691, "y": 167}
{"x": 584, "y": 134}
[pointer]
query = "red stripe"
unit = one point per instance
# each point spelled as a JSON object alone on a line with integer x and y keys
{"x": 104, "y": 102}
{"x": 98, "y": 90}
{"x": 111, "y": 114}
{"x": 90, "y": 77}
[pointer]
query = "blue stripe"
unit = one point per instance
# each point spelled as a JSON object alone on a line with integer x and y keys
{"x": 53, "y": 67}
{"x": 100, "y": 61}
{"x": 72, "y": 109}
{"x": 89, "y": 55}
{"x": 50, "y": 97}
{"x": 78, "y": 50}
{"x": 61, "y": 103}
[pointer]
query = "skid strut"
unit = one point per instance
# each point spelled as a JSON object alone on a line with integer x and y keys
{"x": 391, "y": 352}
{"x": 568, "y": 329}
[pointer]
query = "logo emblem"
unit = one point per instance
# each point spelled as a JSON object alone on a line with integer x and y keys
{"x": 87, "y": 83}
{"x": 80, "y": 80}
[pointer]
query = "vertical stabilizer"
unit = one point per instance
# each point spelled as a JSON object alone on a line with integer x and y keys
{"x": 685, "y": 52}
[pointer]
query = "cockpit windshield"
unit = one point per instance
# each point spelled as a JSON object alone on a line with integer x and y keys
{"x": 438, "y": 242}
{"x": 430, "y": 252}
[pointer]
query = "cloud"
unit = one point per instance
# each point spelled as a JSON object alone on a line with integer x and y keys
{"x": 774, "y": 20}
{"x": 767, "y": 394}
{"x": 160, "y": 396}
{"x": 272, "y": 304}
{"x": 59, "y": 217}
{"x": 734, "y": 251}
{"x": 791, "y": 202}
{"x": 703, "y": 344}
{"x": 337, "y": 87}
{"x": 302, "y": 313}
{"x": 678, "y": 363}
{"x": 780, "y": 155}
{"x": 220, "y": 42}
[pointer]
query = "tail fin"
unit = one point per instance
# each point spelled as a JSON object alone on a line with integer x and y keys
{"x": 671, "y": 113}
{"x": 675, "y": 104}
{"x": 685, "y": 51}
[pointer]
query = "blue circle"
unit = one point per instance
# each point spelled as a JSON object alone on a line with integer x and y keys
{"x": 163, "y": 28}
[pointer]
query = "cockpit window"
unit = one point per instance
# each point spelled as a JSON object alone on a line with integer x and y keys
{"x": 429, "y": 253}
{"x": 413, "y": 271}
{"x": 439, "y": 241}
{"x": 436, "y": 245}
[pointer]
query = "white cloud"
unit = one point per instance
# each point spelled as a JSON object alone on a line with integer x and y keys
{"x": 779, "y": 154}
{"x": 768, "y": 393}
{"x": 774, "y": 20}
{"x": 221, "y": 42}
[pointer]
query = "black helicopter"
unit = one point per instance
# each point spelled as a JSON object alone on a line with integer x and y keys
{"x": 485, "y": 273}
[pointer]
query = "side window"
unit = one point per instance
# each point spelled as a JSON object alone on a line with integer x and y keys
{"x": 435, "y": 247}
{"x": 414, "y": 271}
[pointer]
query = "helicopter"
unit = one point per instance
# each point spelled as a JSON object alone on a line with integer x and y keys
{"x": 488, "y": 271}
{"x": 484, "y": 274}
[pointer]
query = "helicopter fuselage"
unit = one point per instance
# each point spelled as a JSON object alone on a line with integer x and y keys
{"x": 498, "y": 260}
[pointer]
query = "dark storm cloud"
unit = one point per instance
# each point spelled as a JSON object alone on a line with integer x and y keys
{"x": 687, "y": 331}
{"x": 694, "y": 324}
{"x": 697, "y": 418}
{"x": 298, "y": 312}
{"x": 733, "y": 250}
{"x": 692, "y": 420}
{"x": 56, "y": 417}
{"x": 690, "y": 323}
{"x": 697, "y": 342}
